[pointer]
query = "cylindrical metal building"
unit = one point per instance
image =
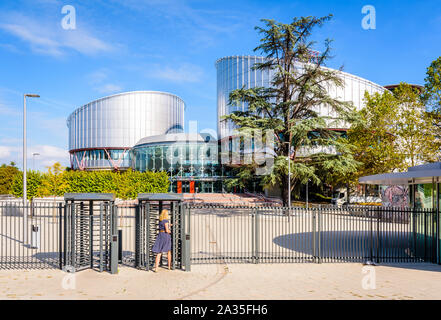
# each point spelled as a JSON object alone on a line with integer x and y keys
{"x": 102, "y": 132}
{"x": 235, "y": 72}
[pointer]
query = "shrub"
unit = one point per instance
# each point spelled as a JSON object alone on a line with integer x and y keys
{"x": 125, "y": 185}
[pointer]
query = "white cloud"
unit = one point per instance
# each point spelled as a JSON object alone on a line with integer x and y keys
{"x": 45, "y": 38}
{"x": 8, "y": 111}
{"x": 98, "y": 79}
{"x": 184, "y": 16}
{"x": 109, "y": 88}
{"x": 98, "y": 76}
{"x": 9, "y": 47}
{"x": 184, "y": 73}
{"x": 48, "y": 155}
{"x": 5, "y": 152}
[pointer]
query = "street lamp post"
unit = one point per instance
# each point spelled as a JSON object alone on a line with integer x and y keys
{"x": 307, "y": 194}
{"x": 25, "y": 209}
{"x": 33, "y": 159}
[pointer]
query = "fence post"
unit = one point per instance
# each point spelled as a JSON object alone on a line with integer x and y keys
{"x": 113, "y": 211}
{"x": 137, "y": 235}
{"x": 371, "y": 240}
{"x": 415, "y": 251}
{"x": 314, "y": 252}
{"x": 425, "y": 235}
{"x": 181, "y": 235}
{"x": 174, "y": 232}
{"x": 187, "y": 240}
{"x": 435, "y": 236}
{"x": 319, "y": 260}
{"x": 256, "y": 236}
{"x": 60, "y": 235}
{"x": 146, "y": 244}
{"x": 378, "y": 214}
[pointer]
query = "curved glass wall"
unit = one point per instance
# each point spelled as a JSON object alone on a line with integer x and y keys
{"x": 192, "y": 163}
{"x": 100, "y": 159}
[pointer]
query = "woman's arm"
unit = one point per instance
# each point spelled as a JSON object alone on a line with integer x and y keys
{"x": 167, "y": 227}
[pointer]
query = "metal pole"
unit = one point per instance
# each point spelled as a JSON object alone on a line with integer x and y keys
{"x": 25, "y": 209}
{"x": 289, "y": 176}
{"x": 307, "y": 182}
{"x": 24, "y": 157}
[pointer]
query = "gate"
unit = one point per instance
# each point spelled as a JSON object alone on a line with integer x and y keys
{"x": 257, "y": 234}
{"x": 147, "y": 229}
{"x": 90, "y": 233}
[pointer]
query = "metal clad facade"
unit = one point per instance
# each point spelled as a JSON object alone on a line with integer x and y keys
{"x": 112, "y": 124}
{"x": 235, "y": 72}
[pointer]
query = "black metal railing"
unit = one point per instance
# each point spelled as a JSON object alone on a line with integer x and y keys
{"x": 32, "y": 236}
{"x": 256, "y": 234}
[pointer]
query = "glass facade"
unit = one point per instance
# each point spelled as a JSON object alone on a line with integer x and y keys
{"x": 193, "y": 166}
{"x": 423, "y": 196}
{"x": 428, "y": 238}
{"x": 99, "y": 158}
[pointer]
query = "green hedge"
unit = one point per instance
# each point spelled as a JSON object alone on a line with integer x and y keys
{"x": 124, "y": 185}
{"x": 34, "y": 181}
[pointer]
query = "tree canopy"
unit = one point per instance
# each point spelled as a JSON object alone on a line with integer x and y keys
{"x": 395, "y": 132}
{"x": 7, "y": 174}
{"x": 290, "y": 106}
{"x": 432, "y": 88}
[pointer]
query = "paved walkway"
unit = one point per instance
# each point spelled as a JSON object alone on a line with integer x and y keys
{"x": 276, "y": 281}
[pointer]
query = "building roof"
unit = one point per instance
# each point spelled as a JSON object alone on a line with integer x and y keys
{"x": 419, "y": 174}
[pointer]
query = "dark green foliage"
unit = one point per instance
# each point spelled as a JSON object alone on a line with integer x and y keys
{"x": 7, "y": 175}
{"x": 288, "y": 107}
{"x": 124, "y": 185}
{"x": 33, "y": 182}
{"x": 432, "y": 88}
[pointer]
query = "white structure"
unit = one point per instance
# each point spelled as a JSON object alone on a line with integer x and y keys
{"x": 234, "y": 72}
{"x": 102, "y": 132}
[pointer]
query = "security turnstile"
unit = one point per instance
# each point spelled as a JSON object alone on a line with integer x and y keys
{"x": 147, "y": 228}
{"x": 90, "y": 232}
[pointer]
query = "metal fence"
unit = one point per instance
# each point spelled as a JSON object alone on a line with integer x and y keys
{"x": 245, "y": 234}
{"x": 32, "y": 240}
{"x": 32, "y": 236}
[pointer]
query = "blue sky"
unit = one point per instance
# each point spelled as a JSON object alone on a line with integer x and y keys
{"x": 172, "y": 45}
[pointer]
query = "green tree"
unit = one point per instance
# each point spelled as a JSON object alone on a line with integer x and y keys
{"x": 34, "y": 181}
{"x": 373, "y": 139}
{"x": 53, "y": 183}
{"x": 289, "y": 105}
{"x": 396, "y": 132}
{"x": 417, "y": 140}
{"x": 432, "y": 89}
{"x": 7, "y": 175}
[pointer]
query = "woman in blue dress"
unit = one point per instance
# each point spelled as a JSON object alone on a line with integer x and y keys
{"x": 163, "y": 241}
